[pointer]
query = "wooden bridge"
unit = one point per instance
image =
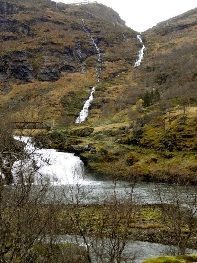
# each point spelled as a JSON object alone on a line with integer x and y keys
{"x": 30, "y": 125}
{"x": 78, "y": 2}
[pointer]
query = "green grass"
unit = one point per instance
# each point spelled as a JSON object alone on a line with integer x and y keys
{"x": 170, "y": 259}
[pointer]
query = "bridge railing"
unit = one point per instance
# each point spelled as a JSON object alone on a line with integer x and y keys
{"x": 32, "y": 125}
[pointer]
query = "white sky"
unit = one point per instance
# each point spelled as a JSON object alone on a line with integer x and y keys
{"x": 143, "y": 14}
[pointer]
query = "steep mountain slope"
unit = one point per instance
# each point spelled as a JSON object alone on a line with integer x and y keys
{"x": 170, "y": 63}
{"x": 142, "y": 122}
{"x": 48, "y": 59}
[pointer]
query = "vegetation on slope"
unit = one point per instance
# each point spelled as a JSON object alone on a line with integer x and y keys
{"x": 143, "y": 120}
{"x": 178, "y": 259}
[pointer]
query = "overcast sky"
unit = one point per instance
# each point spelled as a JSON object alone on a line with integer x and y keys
{"x": 143, "y": 14}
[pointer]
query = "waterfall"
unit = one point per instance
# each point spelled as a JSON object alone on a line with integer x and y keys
{"x": 48, "y": 165}
{"x": 84, "y": 112}
{"x": 140, "y": 53}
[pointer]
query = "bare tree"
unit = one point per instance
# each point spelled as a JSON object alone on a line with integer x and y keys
{"x": 28, "y": 216}
{"x": 179, "y": 210}
{"x": 103, "y": 228}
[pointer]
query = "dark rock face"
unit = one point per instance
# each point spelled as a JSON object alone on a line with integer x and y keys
{"x": 9, "y": 9}
{"x": 67, "y": 68}
{"x": 8, "y": 38}
{"x": 49, "y": 73}
{"x": 16, "y": 65}
{"x": 9, "y": 25}
{"x": 46, "y": 54}
{"x": 22, "y": 71}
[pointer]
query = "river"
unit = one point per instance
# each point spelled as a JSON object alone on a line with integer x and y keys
{"x": 70, "y": 182}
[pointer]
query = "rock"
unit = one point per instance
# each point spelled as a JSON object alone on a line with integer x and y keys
{"x": 8, "y": 38}
{"x": 79, "y": 149}
{"x": 68, "y": 53}
{"x": 67, "y": 68}
{"x": 16, "y": 65}
{"x": 22, "y": 71}
{"x": 9, "y": 25}
{"x": 9, "y": 9}
{"x": 49, "y": 73}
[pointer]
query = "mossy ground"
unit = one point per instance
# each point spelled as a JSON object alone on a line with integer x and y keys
{"x": 168, "y": 259}
{"x": 154, "y": 149}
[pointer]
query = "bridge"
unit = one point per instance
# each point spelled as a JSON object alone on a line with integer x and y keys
{"x": 78, "y": 2}
{"x": 30, "y": 125}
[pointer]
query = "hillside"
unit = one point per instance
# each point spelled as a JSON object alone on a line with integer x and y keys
{"x": 47, "y": 58}
{"x": 170, "y": 64}
{"x": 142, "y": 122}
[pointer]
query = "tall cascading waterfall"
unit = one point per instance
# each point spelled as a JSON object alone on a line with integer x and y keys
{"x": 140, "y": 53}
{"x": 85, "y": 111}
{"x": 48, "y": 165}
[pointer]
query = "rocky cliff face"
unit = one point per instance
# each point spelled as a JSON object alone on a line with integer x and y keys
{"x": 53, "y": 37}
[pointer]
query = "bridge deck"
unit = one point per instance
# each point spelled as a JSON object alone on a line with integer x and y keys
{"x": 32, "y": 125}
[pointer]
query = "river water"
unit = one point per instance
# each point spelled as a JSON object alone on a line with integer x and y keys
{"x": 66, "y": 174}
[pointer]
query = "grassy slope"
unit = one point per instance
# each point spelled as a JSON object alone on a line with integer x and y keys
{"x": 178, "y": 259}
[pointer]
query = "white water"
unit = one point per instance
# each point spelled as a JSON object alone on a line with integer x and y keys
{"x": 84, "y": 112}
{"x": 58, "y": 168}
{"x": 140, "y": 53}
{"x": 65, "y": 171}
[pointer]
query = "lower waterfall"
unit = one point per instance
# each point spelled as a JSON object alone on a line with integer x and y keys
{"x": 45, "y": 165}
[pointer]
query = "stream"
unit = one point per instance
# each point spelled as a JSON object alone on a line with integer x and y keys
{"x": 140, "y": 53}
{"x": 85, "y": 110}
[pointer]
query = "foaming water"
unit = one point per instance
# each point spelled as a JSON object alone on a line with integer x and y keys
{"x": 84, "y": 112}
{"x": 140, "y": 53}
{"x": 65, "y": 173}
{"x": 58, "y": 168}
